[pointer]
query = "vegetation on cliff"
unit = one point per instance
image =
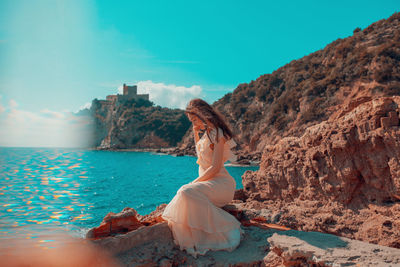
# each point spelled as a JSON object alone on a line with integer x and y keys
{"x": 306, "y": 91}
{"x": 136, "y": 123}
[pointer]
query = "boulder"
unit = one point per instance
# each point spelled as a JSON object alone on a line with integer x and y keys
{"x": 342, "y": 176}
{"x": 117, "y": 223}
{"x": 294, "y": 248}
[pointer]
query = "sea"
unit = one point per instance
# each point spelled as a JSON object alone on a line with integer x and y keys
{"x": 47, "y": 190}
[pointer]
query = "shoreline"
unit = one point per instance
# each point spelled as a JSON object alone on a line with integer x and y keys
{"x": 174, "y": 151}
{"x": 158, "y": 150}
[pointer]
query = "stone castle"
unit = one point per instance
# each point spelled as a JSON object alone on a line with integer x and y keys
{"x": 129, "y": 92}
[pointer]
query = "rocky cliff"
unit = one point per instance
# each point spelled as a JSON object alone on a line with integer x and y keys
{"x": 136, "y": 124}
{"x": 327, "y": 126}
{"x": 308, "y": 90}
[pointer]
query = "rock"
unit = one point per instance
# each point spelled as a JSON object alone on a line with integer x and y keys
{"x": 240, "y": 195}
{"x": 165, "y": 262}
{"x": 154, "y": 217}
{"x": 114, "y": 223}
{"x": 296, "y": 248}
{"x": 128, "y": 220}
{"x": 158, "y": 233}
{"x": 333, "y": 160}
{"x": 273, "y": 259}
{"x": 339, "y": 177}
{"x": 151, "y": 244}
{"x": 154, "y": 246}
{"x": 125, "y": 221}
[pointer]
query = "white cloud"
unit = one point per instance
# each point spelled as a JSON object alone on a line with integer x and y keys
{"x": 167, "y": 95}
{"x": 170, "y": 95}
{"x": 12, "y": 103}
{"x": 86, "y": 105}
{"x": 120, "y": 89}
{"x": 46, "y": 128}
{"x": 52, "y": 114}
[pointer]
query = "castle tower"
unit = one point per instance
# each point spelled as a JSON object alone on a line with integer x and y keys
{"x": 130, "y": 90}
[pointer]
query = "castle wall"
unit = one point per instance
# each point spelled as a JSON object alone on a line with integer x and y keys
{"x": 129, "y": 92}
{"x": 111, "y": 97}
{"x": 121, "y": 98}
{"x": 128, "y": 97}
{"x": 144, "y": 96}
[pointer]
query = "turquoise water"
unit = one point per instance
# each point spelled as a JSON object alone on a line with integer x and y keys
{"x": 71, "y": 189}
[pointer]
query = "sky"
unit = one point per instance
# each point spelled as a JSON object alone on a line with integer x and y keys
{"x": 58, "y": 55}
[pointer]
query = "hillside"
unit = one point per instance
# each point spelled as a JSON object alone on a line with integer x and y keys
{"x": 136, "y": 124}
{"x": 308, "y": 90}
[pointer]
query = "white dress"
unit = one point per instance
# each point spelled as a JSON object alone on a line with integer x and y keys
{"x": 194, "y": 215}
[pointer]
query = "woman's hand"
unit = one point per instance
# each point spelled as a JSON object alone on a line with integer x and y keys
{"x": 197, "y": 128}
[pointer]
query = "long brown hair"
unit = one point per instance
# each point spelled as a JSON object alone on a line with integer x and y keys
{"x": 206, "y": 112}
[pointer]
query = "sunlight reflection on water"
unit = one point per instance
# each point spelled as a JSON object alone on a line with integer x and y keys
{"x": 44, "y": 190}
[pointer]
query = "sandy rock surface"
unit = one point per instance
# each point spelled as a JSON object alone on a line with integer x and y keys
{"x": 307, "y": 248}
{"x": 263, "y": 244}
{"x": 153, "y": 246}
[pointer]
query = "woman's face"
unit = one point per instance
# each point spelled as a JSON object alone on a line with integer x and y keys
{"x": 196, "y": 121}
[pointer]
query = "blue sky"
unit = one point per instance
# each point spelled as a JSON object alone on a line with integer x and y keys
{"x": 58, "y": 55}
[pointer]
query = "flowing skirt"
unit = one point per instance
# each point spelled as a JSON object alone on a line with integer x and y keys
{"x": 197, "y": 222}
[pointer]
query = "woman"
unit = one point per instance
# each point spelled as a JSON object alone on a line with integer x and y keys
{"x": 194, "y": 215}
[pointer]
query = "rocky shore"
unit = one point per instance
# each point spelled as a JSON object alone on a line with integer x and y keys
{"x": 136, "y": 240}
{"x": 243, "y": 159}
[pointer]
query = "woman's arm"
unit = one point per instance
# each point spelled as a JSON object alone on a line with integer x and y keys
{"x": 216, "y": 164}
